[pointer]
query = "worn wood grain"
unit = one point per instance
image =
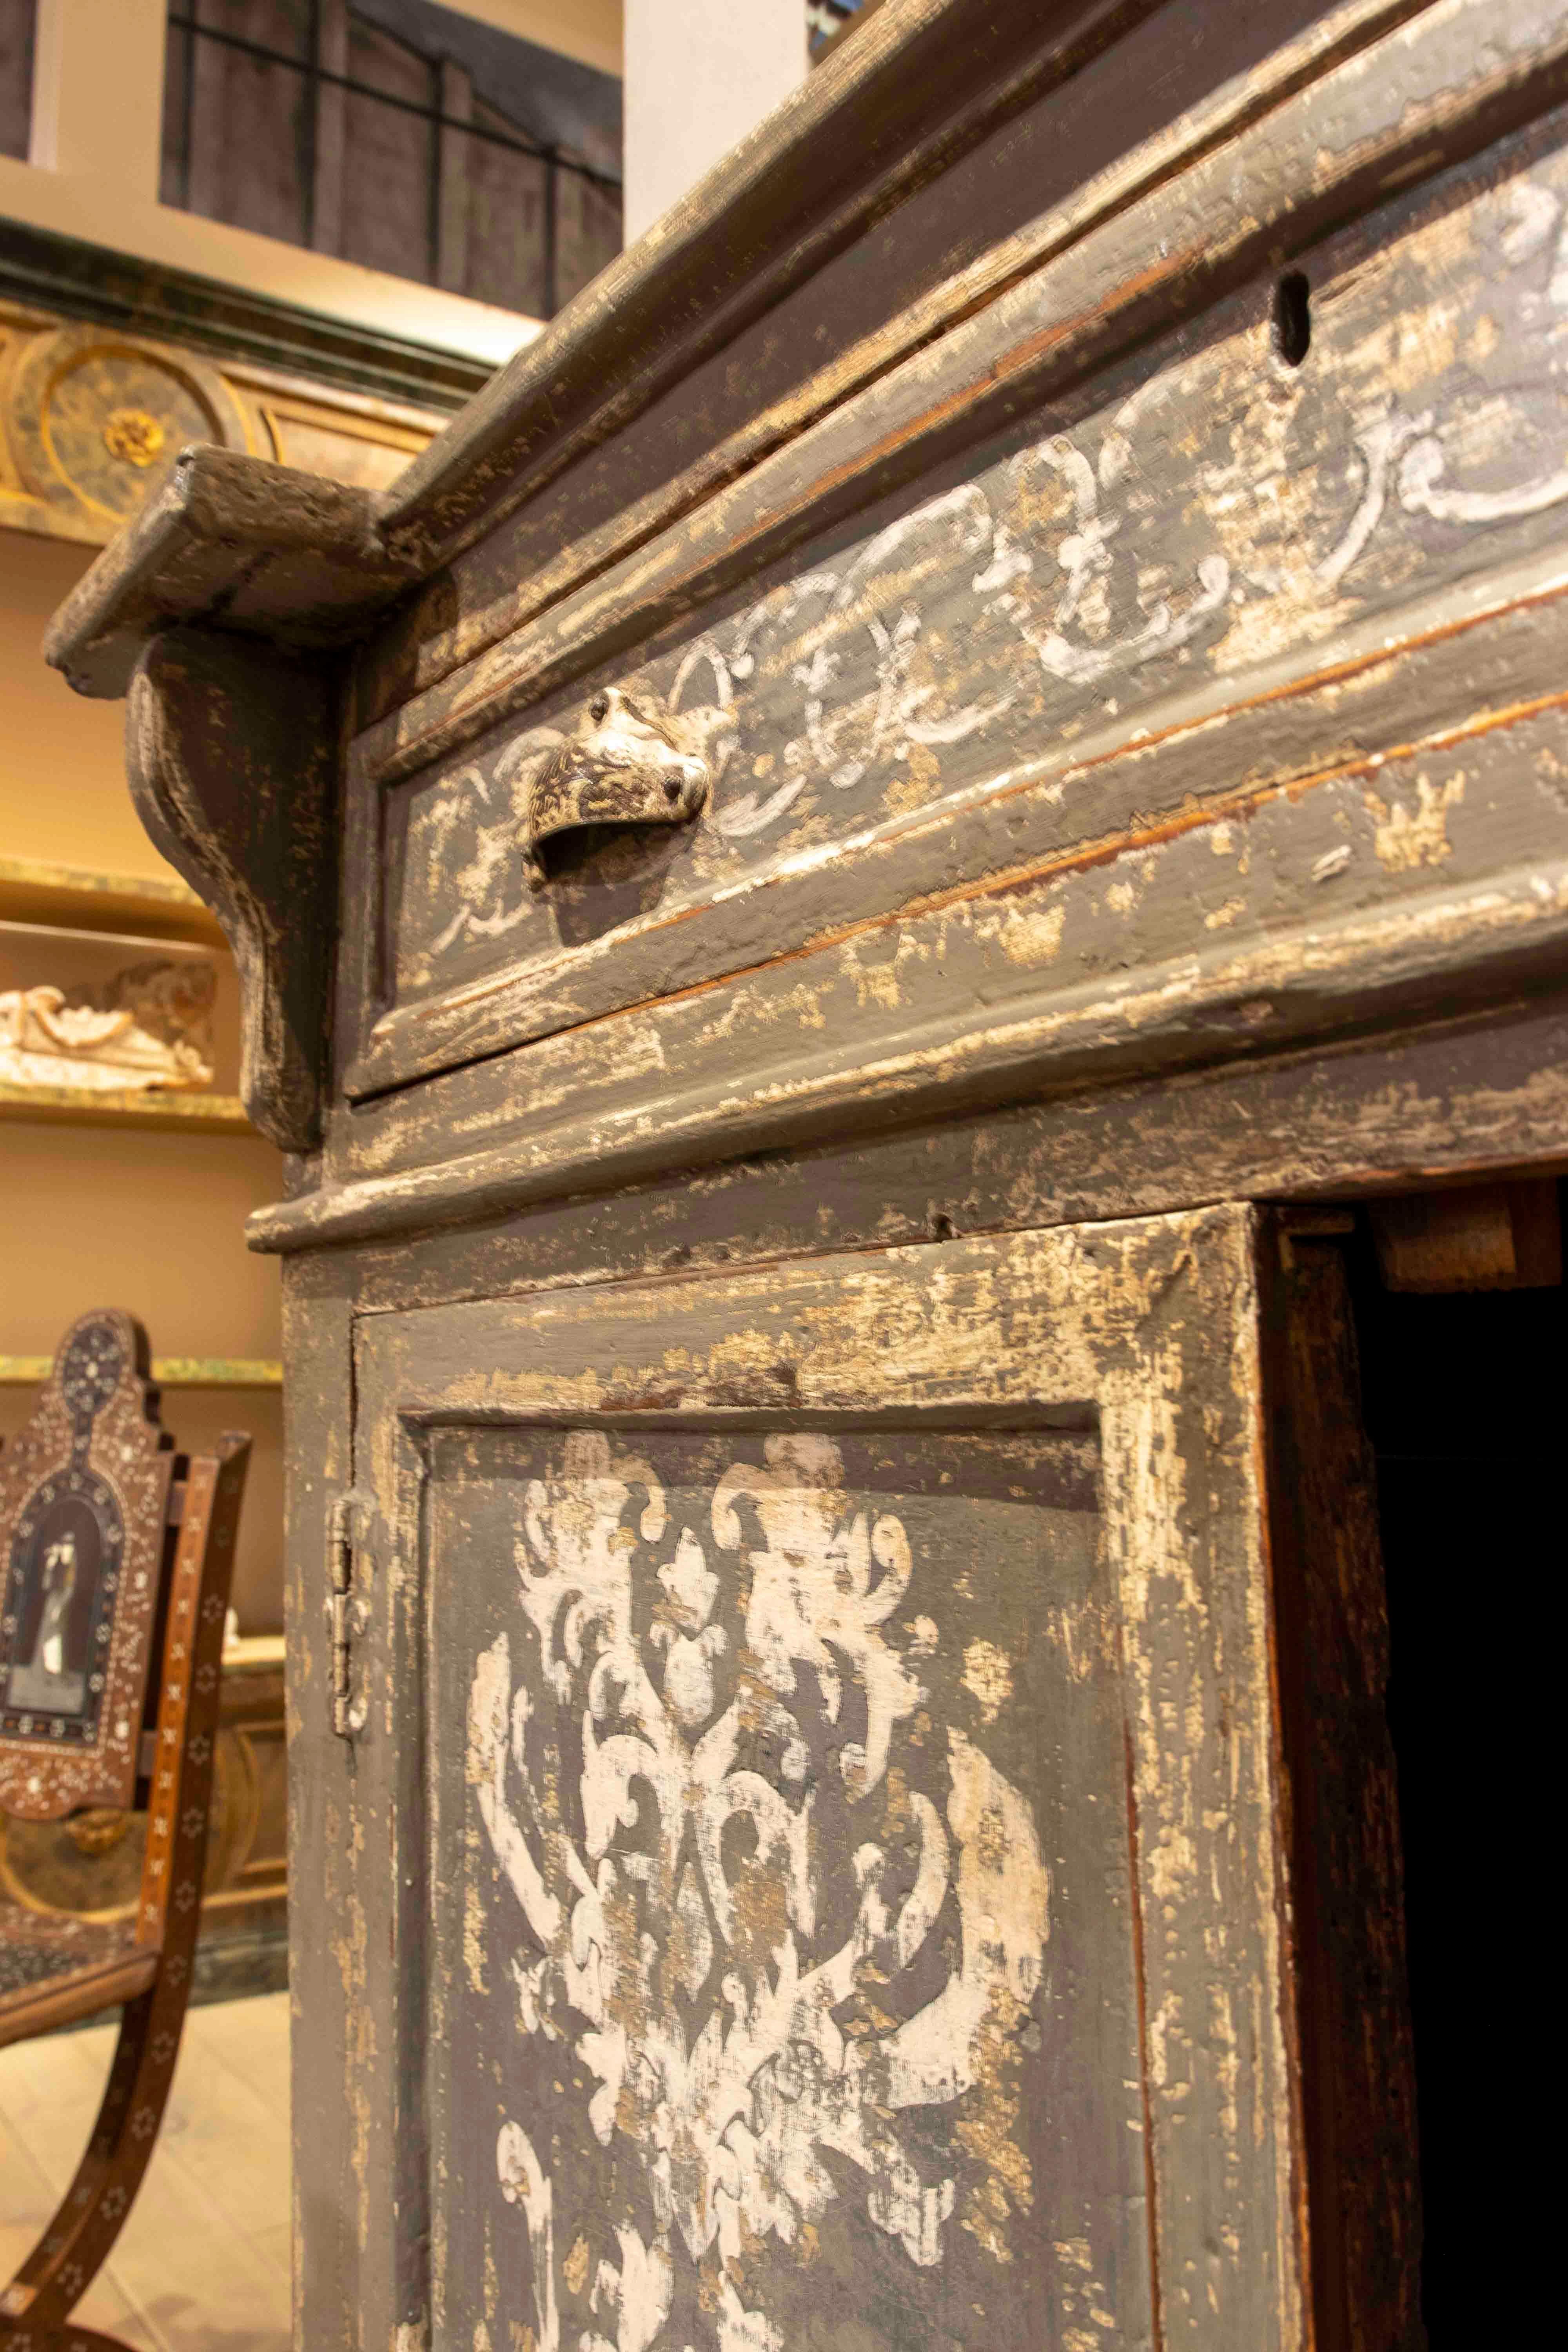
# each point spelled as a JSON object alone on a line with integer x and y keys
{"x": 234, "y": 540}
{"x": 232, "y": 764}
{"x": 617, "y": 1101}
{"x": 1133, "y": 736}
{"x": 1313, "y": 789}
{"x": 1376, "y": 122}
{"x": 1348, "y": 1923}
{"x": 334, "y": 2037}
{"x": 1141, "y": 105}
{"x": 1383, "y": 1114}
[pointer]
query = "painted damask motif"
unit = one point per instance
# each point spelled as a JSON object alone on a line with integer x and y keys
{"x": 772, "y": 1908}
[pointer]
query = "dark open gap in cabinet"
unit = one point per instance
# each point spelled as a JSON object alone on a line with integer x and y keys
{"x": 1465, "y": 1400}
{"x": 1415, "y": 1512}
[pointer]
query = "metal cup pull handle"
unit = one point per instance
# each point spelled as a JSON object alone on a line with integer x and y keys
{"x": 627, "y": 765}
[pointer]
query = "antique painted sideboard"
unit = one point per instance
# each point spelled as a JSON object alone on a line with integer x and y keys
{"x": 834, "y": 889}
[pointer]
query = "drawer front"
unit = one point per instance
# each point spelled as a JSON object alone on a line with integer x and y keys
{"x": 1231, "y": 582}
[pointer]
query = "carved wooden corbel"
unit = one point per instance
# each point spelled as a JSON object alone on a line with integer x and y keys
{"x": 231, "y": 750}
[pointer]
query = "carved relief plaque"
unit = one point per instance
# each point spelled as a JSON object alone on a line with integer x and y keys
{"x": 83, "y": 1493}
{"x": 793, "y": 1950}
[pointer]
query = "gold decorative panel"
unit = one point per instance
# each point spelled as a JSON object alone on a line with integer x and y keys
{"x": 91, "y": 416}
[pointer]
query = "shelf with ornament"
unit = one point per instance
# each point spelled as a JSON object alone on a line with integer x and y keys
{"x": 119, "y": 1004}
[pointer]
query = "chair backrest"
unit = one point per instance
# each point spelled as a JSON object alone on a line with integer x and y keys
{"x": 86, "y": 1552}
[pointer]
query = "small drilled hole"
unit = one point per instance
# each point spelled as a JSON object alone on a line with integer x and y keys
{"x": 1293, "y": 318}
{"x": 672, "y": 794}
{"x": 599, "y": 710}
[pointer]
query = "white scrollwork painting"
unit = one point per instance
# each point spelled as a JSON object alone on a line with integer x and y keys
{"x": 697, "y": 1746}
{"x": 1228, "y": 508}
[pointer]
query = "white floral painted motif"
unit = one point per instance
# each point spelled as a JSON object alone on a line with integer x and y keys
{"x": 860, "y": 700}
{"x": 1084, "y": 556}
{"x": 1379, "y": 443}
{"x": 1421, "y": 471}
{"x": 524, "y": 2183}
{"x": 692, "y": 1999}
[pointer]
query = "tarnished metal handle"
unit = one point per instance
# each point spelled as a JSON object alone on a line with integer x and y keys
{"x": 627, "y": 765}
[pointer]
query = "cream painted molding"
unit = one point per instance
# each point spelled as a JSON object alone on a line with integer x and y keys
{"x": 589, "y": 30}
{"x": 101, "y": 211}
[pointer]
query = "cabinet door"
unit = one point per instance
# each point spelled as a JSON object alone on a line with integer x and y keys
{"x": 819, "y": 1810}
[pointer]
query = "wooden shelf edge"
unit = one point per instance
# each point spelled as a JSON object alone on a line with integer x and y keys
{"x": 253, "y": 1654}
{"x": 168, "y": 1372}
{"x": 32, "y": 891}
{"x": 188, "y": 1114}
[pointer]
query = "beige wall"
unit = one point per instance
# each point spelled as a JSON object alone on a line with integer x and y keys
{"x": 699, "y": 74}
{"x": 62, "y": 776}
{"x": 589, "y": 30}
{"x": 99, "y": 1216}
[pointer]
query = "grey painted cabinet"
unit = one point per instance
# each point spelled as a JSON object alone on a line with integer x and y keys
{"x": 834, "y": 891}
{"x": 819, "y": 1777}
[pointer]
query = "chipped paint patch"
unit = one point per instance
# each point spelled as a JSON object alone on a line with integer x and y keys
{"x": 1032, "y": 935}
{"x": 988, "y": 1675}
{"x": 1406, "y": 838}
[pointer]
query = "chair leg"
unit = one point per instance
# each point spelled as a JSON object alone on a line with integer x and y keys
{"x": 35, "y": 2308}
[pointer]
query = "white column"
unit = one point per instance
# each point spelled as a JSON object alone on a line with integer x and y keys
{"x": 98, "y": 90}
{"x": 699, "y": 75}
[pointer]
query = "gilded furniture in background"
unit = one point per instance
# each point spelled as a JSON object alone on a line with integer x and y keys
{"x": 117, "y": 1558}
{"x": 109, "y": 366}
{"x": 90, "y": 416}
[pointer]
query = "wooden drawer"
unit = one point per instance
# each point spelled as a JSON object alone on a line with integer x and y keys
{"x": 1132, "y": 725}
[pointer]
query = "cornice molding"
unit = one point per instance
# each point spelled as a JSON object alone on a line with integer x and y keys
{"x": 44, "y": 270}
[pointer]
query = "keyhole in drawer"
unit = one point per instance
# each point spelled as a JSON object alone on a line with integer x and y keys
{"x": 1293, "y": 318}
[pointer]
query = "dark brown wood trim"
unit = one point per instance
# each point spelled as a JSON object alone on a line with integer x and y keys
{"x": 232, "y": 754}
{"x": 1357, "y": 2054}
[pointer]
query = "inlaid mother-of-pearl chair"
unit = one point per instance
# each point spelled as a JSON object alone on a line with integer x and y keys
{"x": 115, "y": 1559}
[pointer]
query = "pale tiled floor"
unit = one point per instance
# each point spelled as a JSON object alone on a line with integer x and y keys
{"x": 202, "y": 2264}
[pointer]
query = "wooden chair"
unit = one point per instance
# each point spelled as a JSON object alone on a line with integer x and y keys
{"x": 114, "y": 1553}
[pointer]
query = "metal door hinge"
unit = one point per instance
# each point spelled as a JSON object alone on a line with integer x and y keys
{"x": 347, "y": 1615}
